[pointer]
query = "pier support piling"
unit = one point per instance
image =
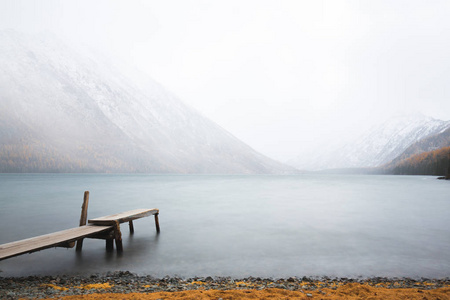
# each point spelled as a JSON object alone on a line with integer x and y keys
{"x": 83, "y": 217}
{"x": 131, "y": 227}
{"x": 109, "y": 245}
{"x": 118, "y": 237}
{"x": 157, "y": 222}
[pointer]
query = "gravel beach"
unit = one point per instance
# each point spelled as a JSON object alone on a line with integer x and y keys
{"x": 121, "y": 283}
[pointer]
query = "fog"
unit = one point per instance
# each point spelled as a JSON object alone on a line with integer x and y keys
{"x": 283, "y": 76}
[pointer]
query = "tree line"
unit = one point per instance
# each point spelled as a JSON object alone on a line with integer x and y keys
{"x": 426, "y": 163}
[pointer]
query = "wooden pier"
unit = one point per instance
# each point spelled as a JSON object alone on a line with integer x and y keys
{"x": 107, "y": 228}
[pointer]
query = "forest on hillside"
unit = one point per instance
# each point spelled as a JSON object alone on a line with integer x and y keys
{"x": 40, "y": 158}
{"x": 426, "y": 163}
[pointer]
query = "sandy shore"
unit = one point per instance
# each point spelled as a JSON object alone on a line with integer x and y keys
{"x": 124, "y": 285}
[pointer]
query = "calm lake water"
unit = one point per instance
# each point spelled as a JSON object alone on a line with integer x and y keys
{"x": 267, "y": 226}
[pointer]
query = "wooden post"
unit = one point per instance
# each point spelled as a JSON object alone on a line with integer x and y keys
{"x": 118, "y": 237}
{"x": 109, "y": 245}
{"x": 131, "y": 227}
{"x": 157, "y": 222}
{"x": 83, "y": 217}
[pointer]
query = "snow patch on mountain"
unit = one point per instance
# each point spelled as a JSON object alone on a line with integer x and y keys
{"x": 79, "y": 109}
{"x": 378, "y": 146}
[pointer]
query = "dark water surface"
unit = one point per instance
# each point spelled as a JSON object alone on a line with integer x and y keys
{"x": 267, "y": 226}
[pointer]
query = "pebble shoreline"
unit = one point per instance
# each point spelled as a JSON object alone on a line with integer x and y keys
{"x": 38, "y": 287}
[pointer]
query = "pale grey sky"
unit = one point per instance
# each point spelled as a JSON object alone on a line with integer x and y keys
{"x": 283, "y": 76}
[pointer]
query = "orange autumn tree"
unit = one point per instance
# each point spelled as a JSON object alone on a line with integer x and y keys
{"x": 426, "y": 163}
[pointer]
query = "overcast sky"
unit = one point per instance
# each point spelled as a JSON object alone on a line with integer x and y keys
{"x": 283, "y": 76}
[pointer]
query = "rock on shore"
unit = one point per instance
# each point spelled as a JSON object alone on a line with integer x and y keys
{"x": 36, "y": 287}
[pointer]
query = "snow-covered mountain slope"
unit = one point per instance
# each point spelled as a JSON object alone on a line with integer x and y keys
{"x": 428, "y": 144}
{"x": 60, "y": 111}
{"x": 376, "y": 147}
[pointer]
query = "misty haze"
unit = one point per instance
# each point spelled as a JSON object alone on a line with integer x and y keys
{"x": 277, "y": 139}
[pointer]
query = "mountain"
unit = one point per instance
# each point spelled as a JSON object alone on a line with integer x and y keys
{"x": 376, "y": 147}
{"x": 64, "y": 112}
{"x": 428, "y": 144}
{"x": 428, "y": 156}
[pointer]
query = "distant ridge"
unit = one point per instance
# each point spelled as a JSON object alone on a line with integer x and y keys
{"x": 428, "y": 144}
{"x": 428, "y": 156}
{"x": 376, "y": 147}
{"x": 63, "y": 112}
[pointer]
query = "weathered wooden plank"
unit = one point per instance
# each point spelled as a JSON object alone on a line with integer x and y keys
{"x": 124, "y": 217}
{"x": 49, "y": 240}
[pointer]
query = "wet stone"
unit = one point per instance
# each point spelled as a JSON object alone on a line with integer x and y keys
{"x": 33, "y": 287}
